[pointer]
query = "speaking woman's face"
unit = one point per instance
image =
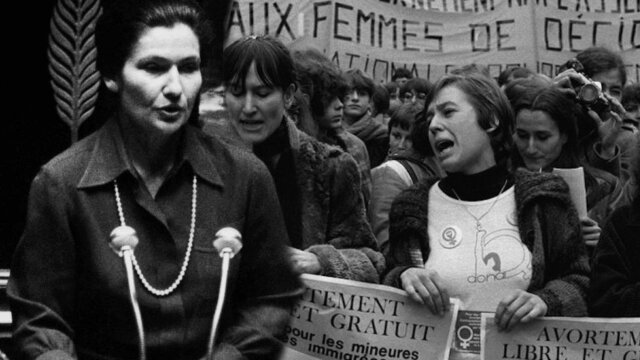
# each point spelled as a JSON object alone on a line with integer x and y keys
{"x": 457, "y": 139}
{"x": 160, "y": 80}
{"x": 256, "y": 110}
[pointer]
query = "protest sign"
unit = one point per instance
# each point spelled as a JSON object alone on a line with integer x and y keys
{"x": 432, "y": 37}
{"x": 557, "y": 338}
{"x": 349, "y": 320}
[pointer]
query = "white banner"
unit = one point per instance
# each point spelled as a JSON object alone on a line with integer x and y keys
{"x": 431, "y": 37}
{"x": 556, "y": 338}
{"x": 349, "y": 320}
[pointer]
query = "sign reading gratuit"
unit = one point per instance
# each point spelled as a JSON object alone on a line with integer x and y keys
{"x": 556, "y": 338}
{"x": 349, "y": 320}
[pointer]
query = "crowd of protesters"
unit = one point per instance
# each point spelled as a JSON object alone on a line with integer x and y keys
{"x": 478, "y": 150}
{"x": 444, "y": 189}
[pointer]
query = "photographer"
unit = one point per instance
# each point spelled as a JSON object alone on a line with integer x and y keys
{"x": 600, "y": 116}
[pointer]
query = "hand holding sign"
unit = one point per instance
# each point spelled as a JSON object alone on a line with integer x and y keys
{"x": 344, "y": 319}
{"x": 519, "y": 306}
{"x": 425, "y": 287}
{"x": 304, "y": 262}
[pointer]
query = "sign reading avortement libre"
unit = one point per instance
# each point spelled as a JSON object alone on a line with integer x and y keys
{"x": 349, "y": 320}
{"x": 563, "y": 339}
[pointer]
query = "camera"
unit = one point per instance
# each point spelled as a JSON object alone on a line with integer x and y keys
{"x": 589, "y": 91}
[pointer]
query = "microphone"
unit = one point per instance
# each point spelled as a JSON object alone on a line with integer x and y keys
{"x": 123, "y": 240}
{"x": 228, "y": 243}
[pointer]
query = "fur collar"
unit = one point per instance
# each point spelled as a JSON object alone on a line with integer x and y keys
{"x": 531, "y": 186}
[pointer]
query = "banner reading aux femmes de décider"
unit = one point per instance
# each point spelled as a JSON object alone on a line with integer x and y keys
{"x": 431, "y": 37}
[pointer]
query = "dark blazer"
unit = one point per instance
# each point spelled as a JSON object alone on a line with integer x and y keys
{"x": 68, "y": 290}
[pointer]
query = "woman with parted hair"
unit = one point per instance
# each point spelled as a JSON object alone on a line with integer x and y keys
{"x": 546, "y": 137}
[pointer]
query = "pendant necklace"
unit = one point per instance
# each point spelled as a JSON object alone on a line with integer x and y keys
{"x": 187, "y": 255}
{"x": 478, "y": 218}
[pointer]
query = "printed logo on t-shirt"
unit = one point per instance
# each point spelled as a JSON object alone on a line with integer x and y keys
{"x": 499, "y": 255}
{"x": 476, "y": 249}
{"x": 451, "y": 237}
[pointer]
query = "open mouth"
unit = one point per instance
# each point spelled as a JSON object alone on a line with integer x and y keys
{"x": 443, "y": 145}
{"x": 250, "y": 124}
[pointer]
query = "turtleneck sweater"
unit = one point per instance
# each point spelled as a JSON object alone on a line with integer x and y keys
{"x": 475, "y": 187}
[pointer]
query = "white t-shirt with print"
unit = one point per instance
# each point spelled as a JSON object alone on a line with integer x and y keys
{"x": 479, "y": 265}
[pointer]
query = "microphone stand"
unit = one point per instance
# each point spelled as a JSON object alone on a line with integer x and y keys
{"x": 123, "y": 241}
{"x": 128, "y": 263}
{"x": 228, "y": 244}
{"x": 221, "y": 296}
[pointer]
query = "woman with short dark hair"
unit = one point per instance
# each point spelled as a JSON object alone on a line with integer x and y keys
{"x": 318, "y": 185}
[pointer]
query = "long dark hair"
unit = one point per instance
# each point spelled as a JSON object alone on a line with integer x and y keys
{"x": 319, "y": 78}
{"x": 562, "y": 111}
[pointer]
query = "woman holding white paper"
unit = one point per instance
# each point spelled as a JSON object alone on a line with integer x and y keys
{"x": 499, "y": 241}
{"x": 545, "y": 136}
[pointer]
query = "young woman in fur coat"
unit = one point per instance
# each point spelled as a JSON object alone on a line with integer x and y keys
{"x": 318, "y": 185}
{"x": 546, "y": 137}
{"x": 501, "y": 242}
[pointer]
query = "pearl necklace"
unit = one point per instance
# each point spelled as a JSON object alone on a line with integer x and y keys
{"x": 187, "y": 255}
{"x": 478, "y": 218}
